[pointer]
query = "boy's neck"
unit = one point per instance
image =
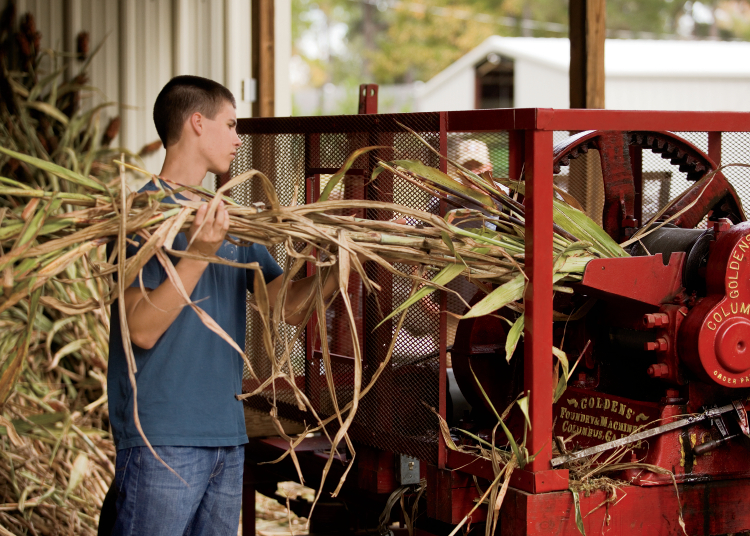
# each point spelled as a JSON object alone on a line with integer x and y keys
{"x": 183, "y": 167}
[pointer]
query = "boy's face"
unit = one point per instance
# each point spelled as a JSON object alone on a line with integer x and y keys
{"x": 220, "y": 140}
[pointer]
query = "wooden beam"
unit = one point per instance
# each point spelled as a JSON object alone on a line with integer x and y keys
{"x": 262, "y": 35}
{"x": 587, "y": 31}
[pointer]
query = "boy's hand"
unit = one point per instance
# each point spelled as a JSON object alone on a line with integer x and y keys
{"x": 209, "y": 239}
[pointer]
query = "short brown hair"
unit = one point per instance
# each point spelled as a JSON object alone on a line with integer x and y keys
{"x": 182, "y": 97}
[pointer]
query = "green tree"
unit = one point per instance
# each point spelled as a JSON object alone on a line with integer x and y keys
{"x": 388, "y": 41}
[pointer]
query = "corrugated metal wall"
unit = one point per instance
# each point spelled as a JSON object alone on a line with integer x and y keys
{"x": 149, "y": 41}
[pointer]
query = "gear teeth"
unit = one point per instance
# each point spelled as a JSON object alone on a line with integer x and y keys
{"x": 692, "y": 166}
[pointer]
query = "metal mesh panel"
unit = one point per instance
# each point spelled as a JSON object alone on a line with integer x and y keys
{"x": 735, "y": 149}
{"x": 279, "y": 157}
{"x": 396, "y": 414}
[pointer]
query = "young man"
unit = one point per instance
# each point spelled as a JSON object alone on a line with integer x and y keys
{"x": 187, "y": 375}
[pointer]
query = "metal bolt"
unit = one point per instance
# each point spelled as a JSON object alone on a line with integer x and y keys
{"x": 658, "y": 370}
{"x": 720, "y": 226}
{"x": 659, "y": 345}
{"x": 656, "y": 320}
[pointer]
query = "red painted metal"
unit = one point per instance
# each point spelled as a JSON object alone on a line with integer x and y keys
{"x": 538, "y": 379}
{"x": 442, "y": 379}
{"x": 620, "y": 216}
{"x": 516, "y": 144}
{"x": 719, "y": 193}
{"x": 707, "y": 508}
{"x": 619, "y": 186}
{"x": 368, "y": 99}
{"x": 540, "y": 481}
{"x": 550, "y": 119}
{"x": 595, "y": 417}
{"x": 376, "y": 470}
{"x": 641, "y": 279}
{"x": 451, "y": 496}
{"x": 715, "y": 339}
{"x": 714, "y": 146}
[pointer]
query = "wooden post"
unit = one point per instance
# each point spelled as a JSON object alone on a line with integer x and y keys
{"x": 587, "y": 32}
{"x": 263, "y": 50}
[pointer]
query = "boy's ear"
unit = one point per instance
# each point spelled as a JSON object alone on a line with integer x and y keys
{"x": 196, "y": 123}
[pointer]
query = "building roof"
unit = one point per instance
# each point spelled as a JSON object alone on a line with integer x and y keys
{"x": 622, "y": 57}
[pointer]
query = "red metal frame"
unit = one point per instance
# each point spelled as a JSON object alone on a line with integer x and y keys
{"x": 530, "y": 133}
{"x": 538, "y": 125}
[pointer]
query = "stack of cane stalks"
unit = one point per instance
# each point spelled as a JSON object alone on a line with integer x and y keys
{"x": 55, "y": 451}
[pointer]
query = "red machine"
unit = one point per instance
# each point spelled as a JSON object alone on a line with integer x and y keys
{"x": 667, "y": 334}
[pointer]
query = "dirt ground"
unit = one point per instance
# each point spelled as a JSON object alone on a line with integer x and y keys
{"x": 271, "y": 518}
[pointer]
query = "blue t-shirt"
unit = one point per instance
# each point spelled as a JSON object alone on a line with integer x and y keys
{"x": 187, "y": 382}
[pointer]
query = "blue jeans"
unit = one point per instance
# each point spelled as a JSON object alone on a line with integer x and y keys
{"x": 152, "y": 501}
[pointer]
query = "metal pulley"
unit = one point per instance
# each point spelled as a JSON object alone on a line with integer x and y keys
{"x": 714, "y": 339}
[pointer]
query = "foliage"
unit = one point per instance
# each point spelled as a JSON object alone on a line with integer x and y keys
{"x": 55, "y": 466}
{"x": 401, "y": 41}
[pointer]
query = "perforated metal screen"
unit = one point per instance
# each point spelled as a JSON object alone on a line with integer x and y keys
{"x": 735, "y": 149}
{"x": 303, "y": 153}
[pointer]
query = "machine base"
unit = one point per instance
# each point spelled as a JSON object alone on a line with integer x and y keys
{"x": 709, "y": 508}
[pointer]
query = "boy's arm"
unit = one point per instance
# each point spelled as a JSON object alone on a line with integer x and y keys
{"x": 149, "y": 319}
{"x": 300, "y": 293}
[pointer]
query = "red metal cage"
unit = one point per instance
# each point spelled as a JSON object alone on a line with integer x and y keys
{"x": 298, "y": 154}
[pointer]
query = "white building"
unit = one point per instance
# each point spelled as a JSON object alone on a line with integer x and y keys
{"x": 525, "y": 72}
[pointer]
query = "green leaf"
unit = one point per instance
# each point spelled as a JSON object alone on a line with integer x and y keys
{"x": 448, "y": 242}
{"x": 48, "y": 109}
{"x": 508, "y": 435}
{"x": 514, "y": 335}
{"x": 523, "y": 404}
{"x": 585, "y": 229}
{"x": 581, "y": 226}
{"x": 441, "y": 179}
{"x": 334, "y": 180}
{"x": 562, "y": 381}
{"x": 42, "y": 84}
{"x": 54, "y": 169}
{"x": 503, "y": 295}
{"x": 579, "y": 517}
{"x": 376, "y": 172}
{"x": 446, "y": 275}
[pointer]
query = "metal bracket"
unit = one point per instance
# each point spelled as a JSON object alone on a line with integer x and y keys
{"x": 407, "y": 470}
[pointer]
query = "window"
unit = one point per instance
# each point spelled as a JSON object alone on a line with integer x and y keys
{"x": 494, "y": 82}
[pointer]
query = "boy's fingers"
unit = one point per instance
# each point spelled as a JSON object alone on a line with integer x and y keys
{"x": 226, "y": 221}
{"x": 200, "y": 215}
{"x": 221, "y": 217}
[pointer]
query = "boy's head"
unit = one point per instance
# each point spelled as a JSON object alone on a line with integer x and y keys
{"x": 184, "y": 96}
